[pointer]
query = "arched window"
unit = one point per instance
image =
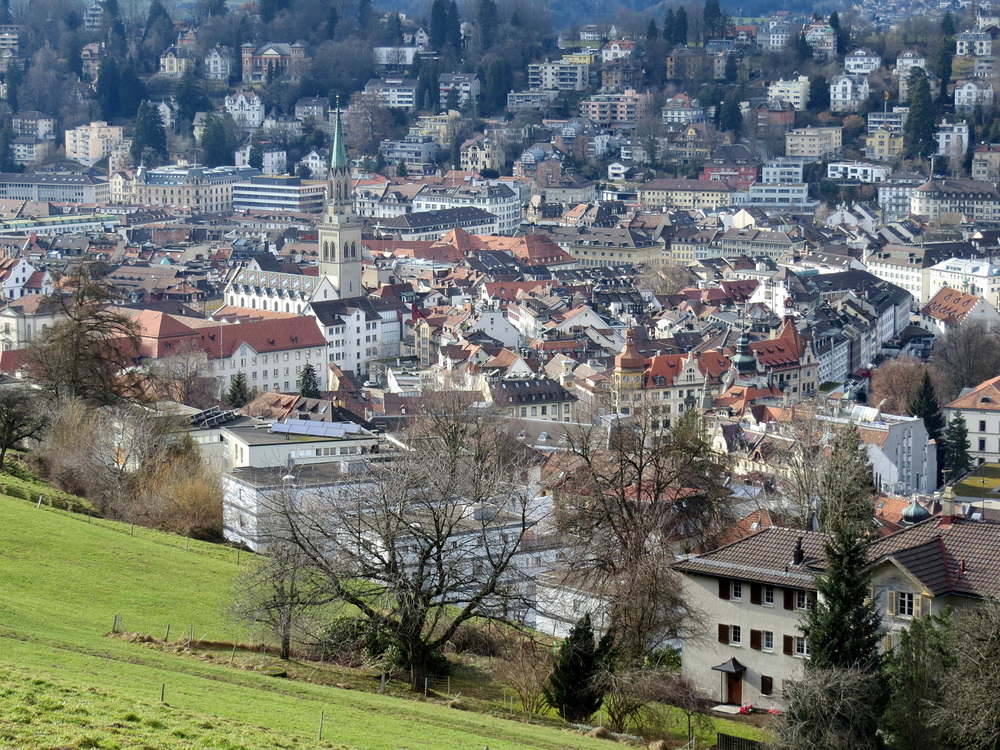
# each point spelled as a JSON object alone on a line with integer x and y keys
{"x": 354, "y": 250}
{"x": 326, "y": 251}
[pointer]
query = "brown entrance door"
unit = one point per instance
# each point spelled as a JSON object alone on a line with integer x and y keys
{"x": 734, "y": 688}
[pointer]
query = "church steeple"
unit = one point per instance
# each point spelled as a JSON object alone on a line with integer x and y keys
{"x": 340, "y": 229}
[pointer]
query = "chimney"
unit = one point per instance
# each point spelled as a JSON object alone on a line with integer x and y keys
{"x": 947, "y": 507}
{"x": 798, "y": 556}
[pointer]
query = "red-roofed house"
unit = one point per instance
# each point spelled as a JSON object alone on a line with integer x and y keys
{"x": 951, "y": 308}
{"x": 789, "y": 360}
{"x": 980, "y": 407}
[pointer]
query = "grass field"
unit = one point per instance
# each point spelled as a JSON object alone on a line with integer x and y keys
{"x": 65, "y": 683}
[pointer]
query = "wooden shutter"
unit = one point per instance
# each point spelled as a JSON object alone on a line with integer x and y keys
{"x": 892, "y": 603}
{"x": 888, "y": 642}
{"x": 789, "y": 599}
{"x": 789, "y": 645}
{"x": 755, "y": 639}
{"x": 723, "y": 633}
{"x": 723, "y": 588}
{"x": 766, "y": 685}
{"x": 919, "y": 606}
{"x": 755, "y": 597}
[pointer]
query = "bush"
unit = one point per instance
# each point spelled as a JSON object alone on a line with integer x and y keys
{"x": 478, "y": 640}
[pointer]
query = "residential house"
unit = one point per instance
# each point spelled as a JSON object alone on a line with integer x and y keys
{"x": 558, "y": 76}
{"x": 261, "y": 64}
{"x": 861, "y": 61}
{"x": 950, "y": 308}
{"x": 976, "y": 201}
{"x": 970, "y": 95}
{"x": 848, "y": 93}
{"x": 466, "y": 88}
{"x": 681, "y": 109}
{"x": 973, "y": 44}
{"x": 690, "y": 194}
{"x": 980, "y": 407}
{"x": 246, "y": 108}
{"x": 176, "y": 61}
{"x": 814, "y": 143}
{"x": 218, "y": 64}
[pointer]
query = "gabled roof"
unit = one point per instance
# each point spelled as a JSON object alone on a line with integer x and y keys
{"x": 951, "y": 306}
{"x": 984, "y": 397}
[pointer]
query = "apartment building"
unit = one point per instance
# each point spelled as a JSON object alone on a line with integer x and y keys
{"x": 848, "y": 93}
{"x": 394, "y": 92}
{"x": 620, "y": 111}
{"x": 500, "y": 200}
{"x": 558, "y": 76}
{"x": 682, "y": 194}
{"x": 976, "y": 201}
{"x": 814, "y": 143}
{"x": 857, "y": 170}
{"x": 88, "y": 144}
{"x": 794, "y": 91}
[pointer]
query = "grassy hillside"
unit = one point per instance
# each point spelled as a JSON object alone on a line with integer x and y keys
{"x": 66, "y": 683}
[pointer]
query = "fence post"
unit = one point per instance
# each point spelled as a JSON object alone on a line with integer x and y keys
{"x": 322, "y": 715}
{"x": 426, "y": 680}
{"x": 163, "y": 690}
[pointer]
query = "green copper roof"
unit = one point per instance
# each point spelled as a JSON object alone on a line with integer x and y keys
{"x": 338, "y": 154}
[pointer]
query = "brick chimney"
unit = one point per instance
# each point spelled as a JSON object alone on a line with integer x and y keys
{"x": 947, "y": 507}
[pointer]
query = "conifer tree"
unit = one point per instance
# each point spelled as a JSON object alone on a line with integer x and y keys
{"x": 847, "y": 490}
{"x": 956, "y": 447}
{"x": 681, "y": 27}
{"x": 255, "y": 157}
{"x": 919, "y": 129}
{"x": 308, "y": 382}
{"x": 668, "y": 25}
{"x": 573, "y": 690}
{"x": 149, "y": 144}
{"x": 925, "y": 405}
{"x": 239, "y": 394}
{"x": 915, "y": 671}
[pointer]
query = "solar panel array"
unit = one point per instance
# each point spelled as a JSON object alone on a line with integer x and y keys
{"x": 310, "y": 428}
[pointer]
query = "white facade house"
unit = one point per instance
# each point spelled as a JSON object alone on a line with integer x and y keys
{"x": 972, "y": 94}
{"x": 558, "y": 75}
{"x": 848, "y": 93}
{"x": 909, "y": 60}
{"x": 856, "y": 170}
{"x": 980, "y": 407}
{"x": 88, "y": 144}
{"x": 977, "y": 276}
{"x": 862, "y": 61}
{"x": 246, "y": 108}
{"x": 973, "y": 44}
{"x": 395, "y": 92}
{"x": 782, "y": 169}
{"x": 794, "y": 91}
{"x": 952, "y": 138}
{"x": 275, "y": 158}
{"x": 498, "y": 199}
{"x": 218, "y": 64}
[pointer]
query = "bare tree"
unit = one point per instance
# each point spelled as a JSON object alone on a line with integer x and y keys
{"x": 21, "y": 418}
{"x": 667, "y": 278}
{"x": 974, "y": 643}
{"x": 279, "y": 592}
{"x": 89, "y": 354}
{"x": 368, "y": 120}
{"x": 969, "y": 354}
{"x": 832, "y": 708}
{"x": 896, "y": 381}
{"x": 183, "y": 377}
{"x": 524, "y": 668}
{"x": 637, "y": 491}
{"x": 421, "y": 544}
{"x": 799, "y": 464}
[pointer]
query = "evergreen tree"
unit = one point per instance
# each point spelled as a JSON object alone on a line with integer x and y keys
{"x": 843, "y": 35}
{"x": 919, "y": 129}
{"x": 215, "y": 144}
{"x": 239, "y": 394}
{"x": 108, "y": 89}
{"x": 956, "y": 447}
{"x": 842, "y": 626}
{"x": 970, "y": 147}
{"x": 915, "y": 671}
{"x": 364, "y": 15}
{"x": 7, "y": 163}
{"x": 308, "y": 382}
{"x": 948, "y": 24}
{"x": 486, "y": 21}
{"x": 189, "y": 97}
{"x": 439, "y": 24}
{"x": 942, "y": 63}
{"x": 819, "y": 93}
{"x": 5, "y": 17}
{"x": 401, "y": 168}
{"x": 393, "y": 30}
{"x": 925, "y": 405}
{"x": 131, "y": 91}
{"x": 668, "y": 25}
{"x": 149, "y": 144}
{"x": 732, "y": 69}
{"x": 332, "y": 19}
{"x": 681, "y": 27}
{"x": 713, "y": 19}
{"x": 456, "y": 152}
{"x": 730, "y": 116}
{"x": 652, "y": 32}
{"x": 498, "y": 80}
{"x": 572, "y": 689}
{"x": 847, "y": 489}
{"x": 803, "y": 50}
{"x": 255, "y": 157}
{"x": 454, "y": 26}
{"x": 14, "y": 77}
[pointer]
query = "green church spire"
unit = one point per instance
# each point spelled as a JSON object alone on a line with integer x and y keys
{"x": 338, "y": 154}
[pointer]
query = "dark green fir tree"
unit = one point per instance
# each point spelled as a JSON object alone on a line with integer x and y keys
{"x": 573, "y": 689}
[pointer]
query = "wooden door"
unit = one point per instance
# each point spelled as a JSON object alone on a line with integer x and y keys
{"x": 734, "y": 685}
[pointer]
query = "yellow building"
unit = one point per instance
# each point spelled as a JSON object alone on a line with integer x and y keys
{"x": 688, "y": 194}
{"x": 884, "y": 144}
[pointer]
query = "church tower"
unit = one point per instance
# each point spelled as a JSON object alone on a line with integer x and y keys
{"x": 340, "y": 228}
